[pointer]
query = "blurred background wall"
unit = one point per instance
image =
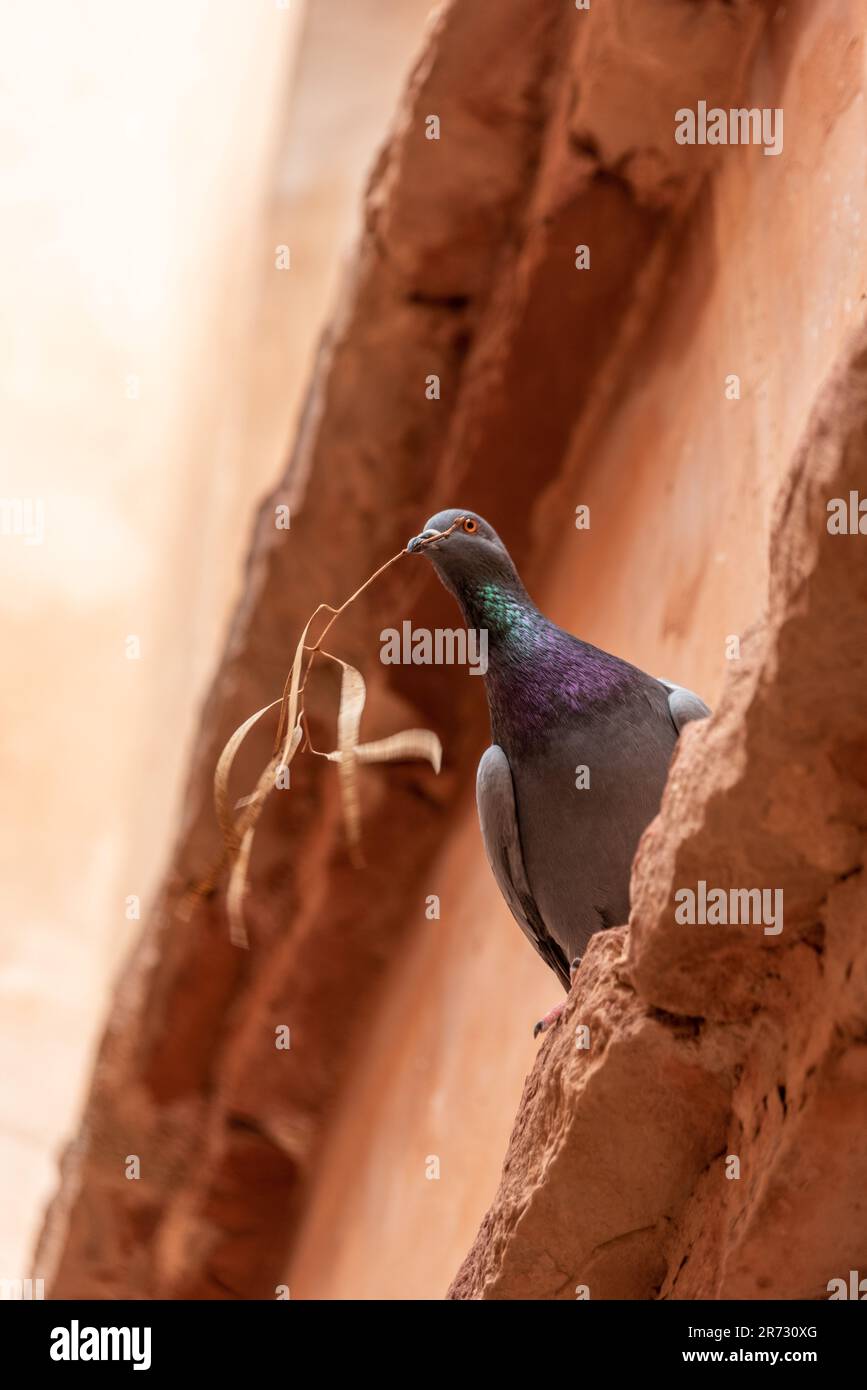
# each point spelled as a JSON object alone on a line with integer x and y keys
{"x": 152, "y": 160}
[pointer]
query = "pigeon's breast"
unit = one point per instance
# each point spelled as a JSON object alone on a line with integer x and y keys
{"x": 583, "y": 799}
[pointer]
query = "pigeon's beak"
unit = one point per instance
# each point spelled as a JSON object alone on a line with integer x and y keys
{"x": 415, "y": 544}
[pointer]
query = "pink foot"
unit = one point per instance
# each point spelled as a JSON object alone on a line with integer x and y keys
{"x": 553, "y": 1014}
{"x": 550, "y": 1018}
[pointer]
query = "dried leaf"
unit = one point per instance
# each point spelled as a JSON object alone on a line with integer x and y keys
{"x": 236, "y": 890}
{"x": 275, "y": 764}
{"x": 408, "y": 746}
{"x": 238, "y": 833}
{"x": 353, "y": 693}
{"x": 244, "y": 829}
{"x": 221, "y": 776}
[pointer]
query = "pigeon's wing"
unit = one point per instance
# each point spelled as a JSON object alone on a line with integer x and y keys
{"x": 684, "y": 705}
{"x": 495, "y": 797}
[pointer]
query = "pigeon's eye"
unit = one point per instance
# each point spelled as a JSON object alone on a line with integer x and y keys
{"x": 470, "y": 525}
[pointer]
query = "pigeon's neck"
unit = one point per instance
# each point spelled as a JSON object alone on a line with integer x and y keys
{"x": 538, "y": 675}
{"x": 506, "y": 613}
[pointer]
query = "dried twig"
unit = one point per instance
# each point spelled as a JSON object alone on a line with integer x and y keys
{"x": 238, "y": 830}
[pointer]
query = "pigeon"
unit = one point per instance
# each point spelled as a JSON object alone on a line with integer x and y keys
{"x": 580, "y": 747}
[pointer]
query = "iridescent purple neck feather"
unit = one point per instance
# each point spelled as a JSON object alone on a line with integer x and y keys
{"x": 537, "y": 674}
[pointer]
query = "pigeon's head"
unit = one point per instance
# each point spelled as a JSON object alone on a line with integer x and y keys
{"x": 465, "y": 552}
